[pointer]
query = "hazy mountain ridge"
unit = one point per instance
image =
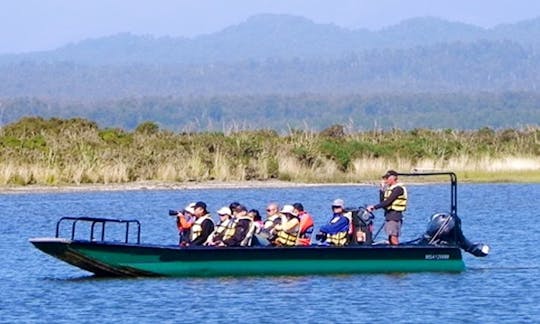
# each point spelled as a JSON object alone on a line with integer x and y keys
{"x": 455, "y": 67}
{"x": 277, "y": 36}
{"x": 271, "y": 70}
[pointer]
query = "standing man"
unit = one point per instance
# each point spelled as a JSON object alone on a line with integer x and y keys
{"x": 393, "y": 197}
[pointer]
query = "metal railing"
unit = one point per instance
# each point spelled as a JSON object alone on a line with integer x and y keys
{"x": 102, "y": 221}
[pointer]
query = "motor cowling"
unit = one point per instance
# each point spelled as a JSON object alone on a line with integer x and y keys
{"x": 445, "y": 229}
{"x": 441, "y": 228}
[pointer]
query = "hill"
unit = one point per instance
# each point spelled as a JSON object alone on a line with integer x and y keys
{"x": 276, "y": 36}
{"x": 285, "y": 71}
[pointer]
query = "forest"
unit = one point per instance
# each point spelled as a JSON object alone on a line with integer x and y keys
{"x": 224, "y": 113}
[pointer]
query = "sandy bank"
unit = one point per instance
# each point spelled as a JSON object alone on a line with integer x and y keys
{"x": 156, "y": 185}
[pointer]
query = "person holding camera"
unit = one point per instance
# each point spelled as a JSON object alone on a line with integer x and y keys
{"x": 184, "y": 221}
{"x": 336, "y": 232}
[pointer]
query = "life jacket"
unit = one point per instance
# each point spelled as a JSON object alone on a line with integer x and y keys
{"x": 306, "y": 228}
{"x": 196, "y": 228}
{"x": 272, "y": 221}
{"x": 184, "y": 223}
{"x": 338, "y": 239}
{"x": 219, "y": 231}
{"x": 288, "y": 238}
{"x": 341, "y": 238}
{"x": 400, "y": 204}
{"x": 228, "y": 232}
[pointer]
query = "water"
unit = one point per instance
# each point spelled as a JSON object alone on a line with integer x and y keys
{"x": 504, "y": 287}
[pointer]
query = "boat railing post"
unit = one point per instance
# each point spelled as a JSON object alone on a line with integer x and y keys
{"x": 58, "y": 226}
{"x": 73, "y": 229}
{"x": 138, "y": 232}
{"x": 127, "y": 231}
{"x": 92, "y": 231}
{"x": 103, "y": 231}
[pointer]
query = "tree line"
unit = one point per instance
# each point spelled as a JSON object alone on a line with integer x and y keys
{"x": 306, "y": 111}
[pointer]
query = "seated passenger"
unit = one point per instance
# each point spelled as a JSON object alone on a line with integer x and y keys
{"x": 225, "y": 218}
{"x": 306, "y": 225}
{"x": 336, "y": 232}
{"x": 184, "y": 221}
{"x": 287, "y": 232}
{"x": 257, "y": 220}
{"x": 232, "y": 207}
{"x": 239, "y": 234}
{"x": 273, "y": 218}
{"x": 203, "y": 225}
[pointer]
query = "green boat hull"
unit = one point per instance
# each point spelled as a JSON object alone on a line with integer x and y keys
{"x": 119, "y": 259}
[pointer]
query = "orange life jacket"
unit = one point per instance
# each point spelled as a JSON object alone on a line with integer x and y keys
{"x": 306, "y": 227}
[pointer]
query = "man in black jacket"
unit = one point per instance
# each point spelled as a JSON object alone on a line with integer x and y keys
{"x": 203, "y": 225}
{"x": 393, "y": 197}
{"x": 241, "y": 233}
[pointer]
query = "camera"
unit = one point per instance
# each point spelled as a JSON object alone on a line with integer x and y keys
{"x": 320, "y": 236}
{"x": 173, "y": 212}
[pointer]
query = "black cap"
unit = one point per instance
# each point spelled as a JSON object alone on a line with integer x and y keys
{"x": 200, "y": 204}
{"x": 298, "y": 206}
{"x": 390, "y": 173}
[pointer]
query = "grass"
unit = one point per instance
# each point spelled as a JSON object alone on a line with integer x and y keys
{"x": 77, "y": 151}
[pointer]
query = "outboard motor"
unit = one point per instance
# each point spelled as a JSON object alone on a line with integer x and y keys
{"x": 445, "y": 229}
{"x": 362, "y": 226}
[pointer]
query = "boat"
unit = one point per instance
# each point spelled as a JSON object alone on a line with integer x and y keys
{"x": 437, "y": 250}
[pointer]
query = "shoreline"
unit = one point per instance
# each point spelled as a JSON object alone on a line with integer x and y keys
{"x": 198, "y": 185}
{"x": 160, "y": 185}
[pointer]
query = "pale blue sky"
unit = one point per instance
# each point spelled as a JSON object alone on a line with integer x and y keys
{"x": 30, "y": 25}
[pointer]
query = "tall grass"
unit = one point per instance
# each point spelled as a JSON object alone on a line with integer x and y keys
{"x": 76, "y": 151}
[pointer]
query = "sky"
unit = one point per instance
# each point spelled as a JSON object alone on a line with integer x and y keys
{"x": 36, "y": 25}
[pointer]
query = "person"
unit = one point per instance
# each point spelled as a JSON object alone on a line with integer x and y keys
{"x": 257, "y": 220}
{"x": 232, "y": 207}
{"x": 273, "y": 218}
{"x": 306, "y": 225}
{"x": 203, "y": 225}
{"x": 225, "y": 218}
{"x": 393, "y": 199}
{"x": 240, "y": 233}
{"x": 336, "y": 231}
{"x": 184, "y": 221}
{"x": 287, "y": 231}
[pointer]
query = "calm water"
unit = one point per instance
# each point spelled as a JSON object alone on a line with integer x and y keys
{"x": 504, "y": 287}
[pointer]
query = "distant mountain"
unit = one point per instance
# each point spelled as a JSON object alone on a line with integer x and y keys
{"x": 271, "y": 69}
{"x": 269, "y": 36}
{"x": 428, "y": 31}
{"x": 524, "y": 32}
{"x": 446, "y": 67}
